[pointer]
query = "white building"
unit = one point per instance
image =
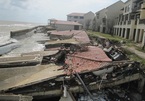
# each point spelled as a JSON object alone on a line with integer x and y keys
{"x": 131, "y": 23}
{"x": 105, "y": 18}
{"x": 64, "y": 25}
{"x": 83, "y": 18}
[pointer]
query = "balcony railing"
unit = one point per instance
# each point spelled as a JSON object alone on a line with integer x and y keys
{"x": 135, "y": 22}
{"x": 120, "y": 23}
{"x": 124, "y": 22}
{"x": 143, "y": 6}
{"x": 142, "y": 21}
{"x": 129, "y": 22}
{"x": 136, "y": 9}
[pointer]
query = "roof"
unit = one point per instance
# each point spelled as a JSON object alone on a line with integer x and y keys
{"x": 79, "y": 35}
{"x": 111, "y": 5}
{"x": 93, "y": 53}
{"x": 93, "y": 59}
{"x": 66, "y": 22}
{"x": 76, "y": 14}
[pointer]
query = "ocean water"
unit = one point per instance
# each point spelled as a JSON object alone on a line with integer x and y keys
{"x": 7, "y": 26}
{"x": 26, "y": 44}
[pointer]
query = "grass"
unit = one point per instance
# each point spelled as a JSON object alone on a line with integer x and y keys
{"x": 134, "y": 57}
{"x": 128, "y": 43}
{"x": 108, "y": 36}
{"x": 115, "y": 38}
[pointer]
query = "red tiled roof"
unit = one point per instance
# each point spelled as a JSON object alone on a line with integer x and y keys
{"x": 93, "y": 59}
{"x": 93, "y": 53}
{"x": 76, "y": 14}
{"x": 79, "y": 35}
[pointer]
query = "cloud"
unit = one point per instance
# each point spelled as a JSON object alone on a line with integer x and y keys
{"x": 41, "y": 10}
{"x": 19, "y": 3}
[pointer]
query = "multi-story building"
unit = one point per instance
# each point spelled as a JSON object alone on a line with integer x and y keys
{"x": 61, "y": 25}
{"x": 131, "y": 23}
{"x": 105, "y": 18}
{"x": 83, "y": 18}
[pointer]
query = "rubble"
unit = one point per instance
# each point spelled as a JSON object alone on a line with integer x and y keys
{"x": 71, "y": 63}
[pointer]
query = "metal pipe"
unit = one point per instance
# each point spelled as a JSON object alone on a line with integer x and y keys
{"x": 84, "y": 86}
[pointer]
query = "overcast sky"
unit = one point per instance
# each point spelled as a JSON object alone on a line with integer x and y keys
{"x": 41, "y": 10}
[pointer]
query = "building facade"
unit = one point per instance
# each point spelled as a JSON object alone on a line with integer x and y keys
{"x": 105, "y": 18}
{"x": 83, "y": 18}
{"x": 131, "y": 23}
{"x": 60, "y": 25}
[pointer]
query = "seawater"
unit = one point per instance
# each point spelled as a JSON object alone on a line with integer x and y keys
{"x": 28, "y": 44}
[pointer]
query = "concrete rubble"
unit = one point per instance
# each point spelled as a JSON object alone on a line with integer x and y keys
{"x": 73, "y": 67}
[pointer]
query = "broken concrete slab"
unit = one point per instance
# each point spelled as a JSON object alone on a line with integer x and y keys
{"x": 51, "y": 71}
{"x": 19, "y": 61}
{"x": 40, "y": 53}
{"x": 11, "y": 97}
{"x": 80, "y": 35}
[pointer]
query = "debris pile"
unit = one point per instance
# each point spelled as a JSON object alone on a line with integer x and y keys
{"x": 71, "y": 64}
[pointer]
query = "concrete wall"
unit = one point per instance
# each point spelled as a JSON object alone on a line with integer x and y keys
{"x": 10, "y": 97}
{"x": 14, "y": 34}
{"x": 114, "y": 10}
{"x": 109, "y": 14}
{"x": 88, "y": 18}
{"x": 62, "y": 27}
{"x": 99, "y": 16}
{"x": 137, "y": 25}
{"x": 128, "y": 7}
{"x": 6, "y": 73}
{"x": 79, "y": 19}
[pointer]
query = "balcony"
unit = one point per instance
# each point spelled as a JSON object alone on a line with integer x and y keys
{"x": 124, "y": 22}
{"x": 129, "y": 22}
{"x": 143, "y": 6}
{"x": 142, "y": 21}
{"x": 135, "y": 22}
{"x": 136, "y": 9}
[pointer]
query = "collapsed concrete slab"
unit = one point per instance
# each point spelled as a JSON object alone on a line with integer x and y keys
{"x": 11, "y": 97}
{"x": 80, "y": 35}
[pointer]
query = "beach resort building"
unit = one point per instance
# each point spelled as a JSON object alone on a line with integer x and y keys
{"x": 131, "y": 23}
{"x": 105, "y": 18}
{"x": 85, "y": 19}
{"x": 61, "y": 25}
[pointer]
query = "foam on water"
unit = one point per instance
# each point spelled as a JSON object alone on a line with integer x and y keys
{"x": 27, "y": 44}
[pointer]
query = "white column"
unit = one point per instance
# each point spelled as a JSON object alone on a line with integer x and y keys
{"x": 141, "y": 35}
{"x": 143, "y": 41}
{"x": 136, "y": 35}
{"x": 125, "y": 36}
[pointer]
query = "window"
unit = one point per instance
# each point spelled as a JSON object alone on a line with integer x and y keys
{"x": 81, "y": 17}
{"x": 129, "y": 7}
{"x": 97, "y": 15}
{"x": 125, "y": 9}
{"x": 75, "y": 17}
{"x": 104, "y": 20}
{"x": 70, "y": 17}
